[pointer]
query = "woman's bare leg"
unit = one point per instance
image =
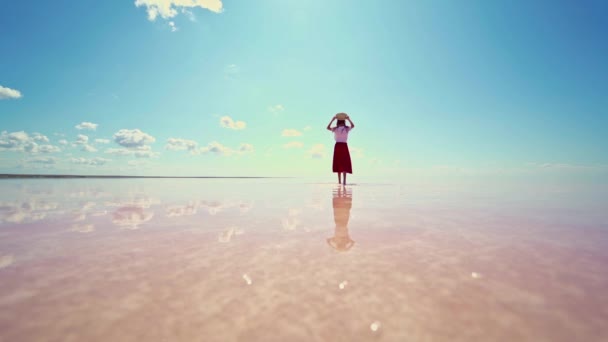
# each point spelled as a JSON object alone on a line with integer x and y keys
{"x": 344, "y": 178}
{"x": 339, "y": 178}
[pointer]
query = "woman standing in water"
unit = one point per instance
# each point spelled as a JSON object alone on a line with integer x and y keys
{"x": 341, "y": 163}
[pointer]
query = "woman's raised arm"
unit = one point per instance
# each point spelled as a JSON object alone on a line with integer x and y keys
{"x": 352, "y": 125}
{"x": 328, "y": 125}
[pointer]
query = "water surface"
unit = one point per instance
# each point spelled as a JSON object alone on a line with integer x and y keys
{"x": 299, "y": 260}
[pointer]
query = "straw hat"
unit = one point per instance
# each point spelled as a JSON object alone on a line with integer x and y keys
{"x": 341, "y": 116}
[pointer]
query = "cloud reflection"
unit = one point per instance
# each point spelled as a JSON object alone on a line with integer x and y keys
{"x": 292, "y": 221}
{"x": 131, "y": 217}
{"x": 226, "y": 235}
{"x": 245, "y": 207}
{"x": 25, "y": 211}
{"x": 83, "y": 228}
{"x": 82, "y": 207}
{"x": 6, "y": 260}
{"x": 182, "y": 210}
{"x": 140, "y": 200}
{"x": 213, "y": 207}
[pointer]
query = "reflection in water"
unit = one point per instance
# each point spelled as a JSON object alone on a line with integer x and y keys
{"x": 28, "y": 211}
{"x": 213, "y": 207}
{"x": 245, "y": 207}
{"x": 342, "y": 203}
{"x": 138, "y": 200}
{"x": 183, "y": 210}
{"x": 131, "y": 216}
{"x": 227, "y": 234}
{"x": 292, "y": 221}
{"x": 6, "y": 260}
{"x": 83, "y": 228}
{"x": 523, "y": 269}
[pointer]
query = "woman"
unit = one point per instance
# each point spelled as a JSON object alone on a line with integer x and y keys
{"x": 341, "y": 162}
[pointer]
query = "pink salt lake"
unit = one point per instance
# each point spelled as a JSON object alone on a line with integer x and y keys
{"x": 293, "y": 260}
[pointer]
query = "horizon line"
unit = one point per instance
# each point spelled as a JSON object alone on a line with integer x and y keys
{"x": 18, "y": 175}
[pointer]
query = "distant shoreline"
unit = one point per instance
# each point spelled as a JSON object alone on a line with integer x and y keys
{"x": 14, "y": 176}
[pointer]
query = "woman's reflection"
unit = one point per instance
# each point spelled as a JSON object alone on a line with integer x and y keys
{"x": 342, "y": 202}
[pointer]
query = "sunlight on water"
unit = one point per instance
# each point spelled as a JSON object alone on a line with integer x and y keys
{"x": 293, "y": 260}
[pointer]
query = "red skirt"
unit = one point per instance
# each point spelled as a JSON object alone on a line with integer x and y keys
{"x": 342, "y": 158}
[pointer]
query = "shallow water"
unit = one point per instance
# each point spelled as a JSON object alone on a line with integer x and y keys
{"x": 299, "y": 260}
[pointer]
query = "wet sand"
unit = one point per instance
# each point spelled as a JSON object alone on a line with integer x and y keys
{"x": 296, "y": 260}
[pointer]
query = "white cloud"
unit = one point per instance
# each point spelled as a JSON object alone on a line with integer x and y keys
{"x": 169, "y": 8}
{"x": 307, "y": 128}
{"x": 87, "y": 125}
{"x": 317, "y": 151}
{"x": 173, "y": 27}
{"x": 291, "y": 133}
{"x": 178, "y": 144}
{"x": 63, "y": 142}
{"x": 8, "y": 93}
{"x": 48, "y": 149}
{"x": 81, "y": 139}
{"x": 293, "y": 144}
{"x": 14, "y": 140}
{"x": 132, "y": 138}
{"x": 228, "y": 122}
{"x": 246, "y": 148}
{"x": 23, "y": 142}
{"x": 88, "y": 148}
{"x": 189, "y": 14}
{"x": 19, "y": 136}
{"x": 92, "y": 162}
{"x": 139, "y": 153}
{"x": 231, "y": 69}
{"x": 565, "y": 167}
{"x": 276, "y": 109}
{"x": 217, "y": 148}
{"x": 136, "y": 163}
{"x": 42, "y": 160}
{"x": 40, "y": 137}
{"x": 30, "y": 147}
{"x": 102, "y": 141}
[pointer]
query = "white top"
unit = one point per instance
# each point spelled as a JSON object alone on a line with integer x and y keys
{"x": 341, "y": 133}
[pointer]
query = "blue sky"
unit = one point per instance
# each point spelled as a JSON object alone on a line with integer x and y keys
{"x": 247, "y": 87}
